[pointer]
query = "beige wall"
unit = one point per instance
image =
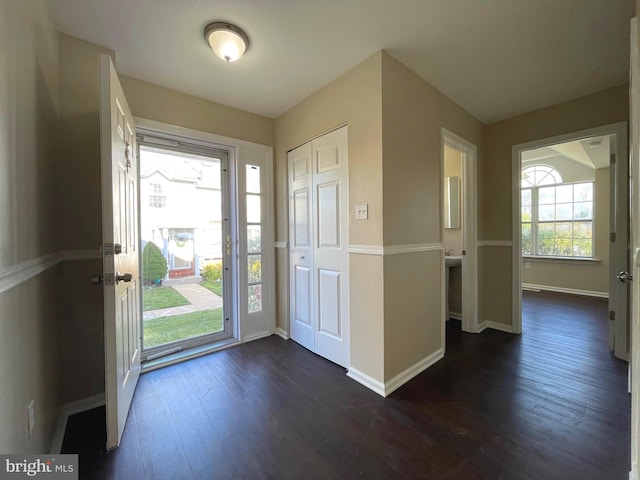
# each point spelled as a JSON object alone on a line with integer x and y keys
{"x": 30, "y": 353}
{"x": 353, "y": 99}
{"x": 413, "y": 113}
{"x": 494, "y": 182}
{"x": 575, "y": 275}
{"x": 161, "y": 104}
{"x": 80, "y": 198}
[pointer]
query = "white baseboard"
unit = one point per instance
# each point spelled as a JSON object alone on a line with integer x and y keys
{"x": 455, "y": 316}
{"x": 414, "y": 370}
{"x": 494, "y": 326}
{"x": 385, "y": 389}
{"x": 281, "y": 333}
{"x": 572, "y": 291}
{"x": 69, "y": 409}
{"x": 634, "y": 474}
{"x": 257, "y": 336}
{"x": 364, "y": 379}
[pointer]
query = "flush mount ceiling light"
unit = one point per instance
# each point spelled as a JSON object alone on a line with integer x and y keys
{"x": 227, "y": 41}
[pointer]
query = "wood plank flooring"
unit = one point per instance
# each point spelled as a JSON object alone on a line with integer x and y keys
{"x": 549, "y": 404}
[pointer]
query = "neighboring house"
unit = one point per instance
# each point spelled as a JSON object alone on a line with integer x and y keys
{"x": 169, "y": 187}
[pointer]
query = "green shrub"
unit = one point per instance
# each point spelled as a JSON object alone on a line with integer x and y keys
{"x": 154, "y": 265}
{"x": 212, "y": 272}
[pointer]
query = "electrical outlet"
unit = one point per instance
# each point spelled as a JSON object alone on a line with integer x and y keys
{"x": 362, "y": 212}
{"x": 527, "y": 265}
{"x": 31, "y": 419}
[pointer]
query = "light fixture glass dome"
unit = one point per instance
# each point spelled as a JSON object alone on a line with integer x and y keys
{"x": 227, "y": 41}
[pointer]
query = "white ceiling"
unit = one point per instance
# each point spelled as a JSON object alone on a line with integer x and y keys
{"x": 592, "y": 152}
{"x": 496, "y": 58}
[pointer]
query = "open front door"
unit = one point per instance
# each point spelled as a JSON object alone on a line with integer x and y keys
{"x": 121, "y": 279}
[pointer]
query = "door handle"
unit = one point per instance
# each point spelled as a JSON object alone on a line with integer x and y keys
{"x": 624, "y": 277}
{"x": 127, "y": 277}
{"x": 96, "y": 279}
{"x": 117, "y": 248}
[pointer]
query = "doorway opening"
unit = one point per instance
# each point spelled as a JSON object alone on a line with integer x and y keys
{"x": 571, "y": 222}
{"x": 185, "y": 237}
{"x": 459, "y": 232}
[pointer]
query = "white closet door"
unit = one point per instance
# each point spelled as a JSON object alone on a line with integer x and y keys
{"x": 301, "y": 317}
{"x": 331, "y": 256}
{"x": 319, "y": 236}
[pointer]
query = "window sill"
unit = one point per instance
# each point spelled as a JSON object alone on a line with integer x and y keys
{"x": 568, "y": 260}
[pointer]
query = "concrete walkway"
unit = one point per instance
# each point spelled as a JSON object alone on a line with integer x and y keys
{"x": 200, "y": 298}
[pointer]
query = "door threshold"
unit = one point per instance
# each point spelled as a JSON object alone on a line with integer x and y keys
{"x": 188, "y": 354}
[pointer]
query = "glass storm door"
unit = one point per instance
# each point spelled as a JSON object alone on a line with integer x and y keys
{"x": 186, "y": 245}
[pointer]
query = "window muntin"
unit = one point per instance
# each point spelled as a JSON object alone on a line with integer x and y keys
{"x": 556, "y": 217}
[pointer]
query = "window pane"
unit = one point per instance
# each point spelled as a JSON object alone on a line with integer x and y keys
{"x": 583, "y": 210}
{"x": 547, "y": 195}
{"x": 583, "y": 247}
{"x": 526, "y": 239}
{"x": 564, "y": 211}
{"x": 253, "y": 179}
{"x": 526, "y": 214}
{"x": 255, "y": 298}
{"x": 546, "y": 238}
{"x": 564, "y": 194}
{"x": 253, "y": 209}
{"x": 582, "y": 230}
{"x": 583, "y": 192}
{"x": 564, "y": 239}
{"x": 546, "y": 212}
{"x": 525, "y": 197}
{"x": 254, "y": 268}
{"x": 254, "y": 238}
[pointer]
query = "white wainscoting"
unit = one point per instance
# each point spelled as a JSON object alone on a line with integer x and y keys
{"x": 14, "y": 275}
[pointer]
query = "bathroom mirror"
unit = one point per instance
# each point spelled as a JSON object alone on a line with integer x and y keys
{"x": 452, "y": 202}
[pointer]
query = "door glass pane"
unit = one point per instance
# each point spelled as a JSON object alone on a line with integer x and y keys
{"x": 254, "y": 238}
{"x": 255, "y": 298}
{"x": 182, "y": 232}
{"x": 254, "y": 268}
{"x": 253, "y": 209}
{"x": 253, "y": 179}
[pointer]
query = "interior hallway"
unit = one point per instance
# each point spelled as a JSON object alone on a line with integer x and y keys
{"x": 551, "y": 403}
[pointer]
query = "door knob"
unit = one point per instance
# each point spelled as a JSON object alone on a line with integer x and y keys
{"x": 624, "y": 277}
{"x": 96, "y": 279}
{"x": 127, "y": 277}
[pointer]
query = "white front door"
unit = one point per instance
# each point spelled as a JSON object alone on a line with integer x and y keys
{"x": 121, "y": 277}
{"x": 319, "y": 235}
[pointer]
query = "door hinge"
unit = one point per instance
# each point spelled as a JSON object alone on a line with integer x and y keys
{"x": 612, "y": 315}
{"x": 613, "y": 237}
{"x": 612, "y": 159}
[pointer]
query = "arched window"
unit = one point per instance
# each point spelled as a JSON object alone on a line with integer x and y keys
{"x": 556, "y": 218}
{"x": 538, "y": 175}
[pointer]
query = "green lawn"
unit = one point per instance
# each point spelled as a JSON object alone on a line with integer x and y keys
{"x": 158, "y": 331}
{"x": 154, "y": 298}
{"x": 215, "y": 287}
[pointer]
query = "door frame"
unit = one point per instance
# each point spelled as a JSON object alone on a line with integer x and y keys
{"x": 247, "y": 326}
{"x": 175, "y": 144}
{"x": 469, "y": 229}
{"x": 618, "y": 129}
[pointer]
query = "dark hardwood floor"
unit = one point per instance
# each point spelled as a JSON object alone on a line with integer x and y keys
{"x": 549, "y": 404}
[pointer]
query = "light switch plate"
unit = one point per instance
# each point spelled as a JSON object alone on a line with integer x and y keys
{"x": 362, "y": 212}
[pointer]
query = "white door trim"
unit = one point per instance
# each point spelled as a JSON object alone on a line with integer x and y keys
{"x": 618, "y": 129}
{"x": 469, "y": 227}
